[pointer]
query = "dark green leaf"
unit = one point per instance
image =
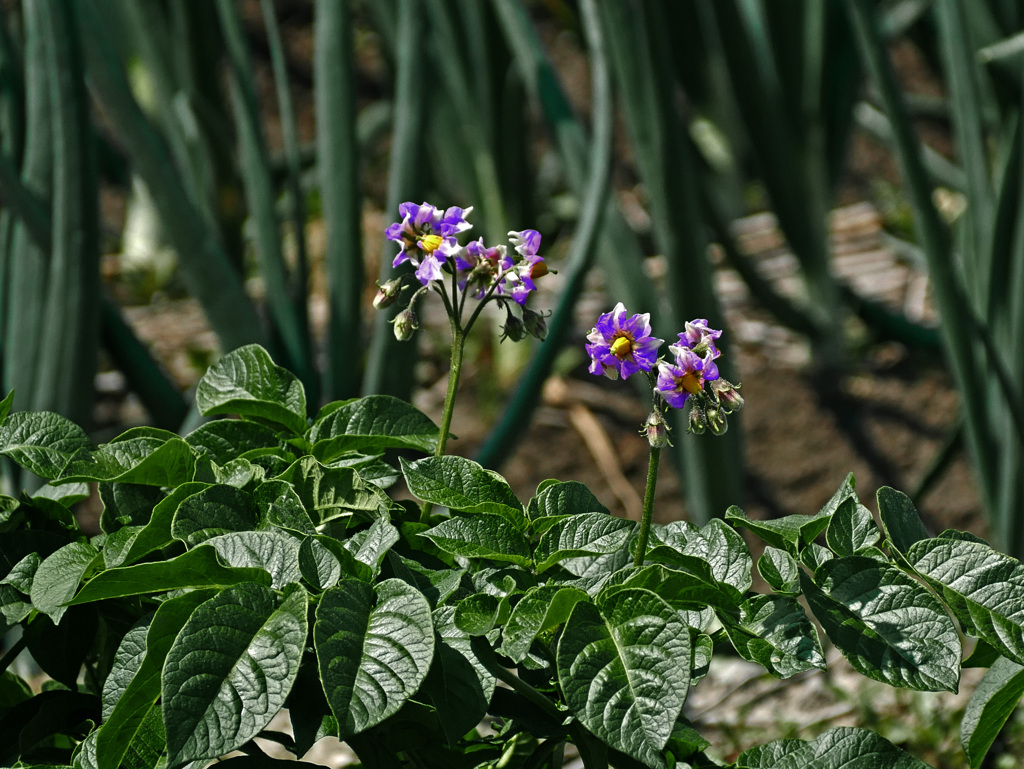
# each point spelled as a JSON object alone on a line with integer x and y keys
{"x": 369, "y": 425}
{"x": 790, "y": 533}
{"x": 725, "y": 551}
{"x": 5, "y": 406}
{"x": 479, "y": 614}
{"x": 540, "y": 610}
{"x": 990, "y": 706}
{"x": 563, "y": 498}
{"x": 624, "y": 671}
{"x": 374, "y": 646}
{"x": 779, "y": 569}
{"x": 984, "y": 588}
{"x": 689, "y": 580}
{"x": 462, "y": 484}
{"x": 900, "y": 520}
{"x": 483, "y": 535}
{"x": 324, "y": 561}
{"x": 157, "y": 533}
{"x": 814, "y": 555}
{"x": 852, "y": 529}
{"x": 774, "y": 632}
{"x": 583, "y": 534}
{"x": 42, "y": 441}
{"x": 66, "y": 494}
{"x": 213, "y": 511}
{"x": 273, "y": 551}
{"x": 885, "y": 623}
{"x": 374, "y": 543}
{"x": 199, "y": 567}
{"x": 127, "y": 504}
{"x": 164, "y": 460}
{"x": 248, "y": 383}
{"x": 227, "y": 439}
{"x": 56, "y": 580}
{"x": 455, "y": 690}
{"x": 436, "y": 584}
{"x": 279, "y": 506}
{"x": 333, "y": 492}
{"x": 230, "y": 669}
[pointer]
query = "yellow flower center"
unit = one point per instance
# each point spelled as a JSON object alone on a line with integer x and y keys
{"x": 621, "y": 347}
{"x": 430, "y": 243}
{"x": 691, "y": 383}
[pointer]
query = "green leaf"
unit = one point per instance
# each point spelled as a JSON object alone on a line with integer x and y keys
{"x": 774, "y": 632}
{"x": 279, "y": 506}
{"x": 333, "y": 492}
{"x": 984, "y": 588}
{"x": 790, "y": 533}
{"x": 374, "y": 646}
{"x": 888, "y": 626}
{"x": 479, "y": 614}
{"x": 324, "y": 561}
{"x": 725, "y": 551}
{"x": 624, "y": 671}
{"x": 127, "y": 504}
{"x": 131, "y": 458}
{"x": 56, "y": 580}
{"x": 900, "y": 520}
{"x": 461, "y": 484}
{"x": 211, "y": 512}
{"x": 197, "y": 568}
{"x": 132, "y": 688}
{"x": 227, "y": 439}
{"x": 543, "y": 608}
{"x": 842, "y": 747}
{"x": 689, "y": 580}
{"x": 248, "y": 383}
{"x": 559, "y": 498}
{"x": 483, "y": 535}
{"x": 814, "y": 555}
{"x": 41, "y": 441}
{"x": 583, "y": 534}
{"x": 456, "y": 692}
{"x": 230, "y": 669}
{"x": 66, "y": 494}
{"x": 273, "y": 551}
{"x": 436, "y": 584}
{"x": 852, "y": 528}
{"x": 370, "y": 425}
{"x": 779, "y": 569}
{"x": 374, "y": 543}
{"x": 990, "y": 706}
{"x": 5, "y": 406}
{"x": 156, "y": 533}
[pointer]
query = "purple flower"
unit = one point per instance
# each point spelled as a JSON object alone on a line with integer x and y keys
{"x": 686, "y": 376}
{"x": 526, "y": 242}
{"x": 427, "y": 237}
{"x": 622, "y": 346}
{"x": 699, "y": 337}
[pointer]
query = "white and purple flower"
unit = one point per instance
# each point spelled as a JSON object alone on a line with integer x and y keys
{"x": 621, "y": 345}
{"x": 427, "y": 237}
{"x": 686, "y": 376}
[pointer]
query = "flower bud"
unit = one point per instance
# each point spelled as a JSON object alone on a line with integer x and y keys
{"x": 656, "y": 430}
{"x": 728, "y": 395}
{"x": 515, "y": 329}
{"x": 405, "y": 324}
{"x": 387, "y": 294}
{"x": 717, "y": 421}
{"x": 698, "y": 420}
{"x": 535, "y": 323}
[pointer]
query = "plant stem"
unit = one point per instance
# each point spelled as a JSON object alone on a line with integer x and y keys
{"x": 645, "y": 518}
{"x": 489, "y": 660}
{"x": 458, "y": 343}
{"x": 12, "y": 654}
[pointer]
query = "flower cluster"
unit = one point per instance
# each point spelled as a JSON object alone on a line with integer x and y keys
{"x": 427, "y": 239}
{"x": 618, "y": 345}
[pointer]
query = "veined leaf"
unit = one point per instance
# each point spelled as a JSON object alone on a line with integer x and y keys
{"x": 852, "y": 528}
{"x": 779, "y": 569}
{"x": 725, "y": 551}
{"x": 371, "y": 545}
{"x": 560, "y": 498}
{"x": 130, "y": 458}
{"x": 583, "y": 534}
{"x": 984, "y": 588}
{"x": 462, "y": 484}
{"x": 843, "y": 747}
{"x": 370, "y": 425}
{"x": 211, "y": 512}
{"x": 774, "y": 632}
{"x": 226, "y": 439}
{"x": 132, "y": 688}
{"x": 691, "y": 581}
{"x": 196, "y": 568}
{"x": 127, "y": 504}
{"x": 333, "y": 492}
{"x": 624, "y": 668}
{"x": 483, "y": 535}
{"x": 5, "y": 406}
{"x": 230, "y": 669}
{"x": 279, "y": 506}
{"x": 273, "y": 551}
{"x": 248, "y": 383}
{"x": 157, "y": 532}
{"x": 324, "y": 561}
{"x": 374, "y": 646}
{"x": 900, "y": 520}
{"x": 57, "y": 577}
{"x": 41, "y": 441}
{"x": 542, "y": 608}
{"x": 992, "y": 703}
{"x": 480, "y": 613}
{"x": 885, "y": 623}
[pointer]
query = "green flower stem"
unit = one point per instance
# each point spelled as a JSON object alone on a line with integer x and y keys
{"x": 645, "y": 518}
{"x": 458, "y": 344}
{"x": 489, "y": 660}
